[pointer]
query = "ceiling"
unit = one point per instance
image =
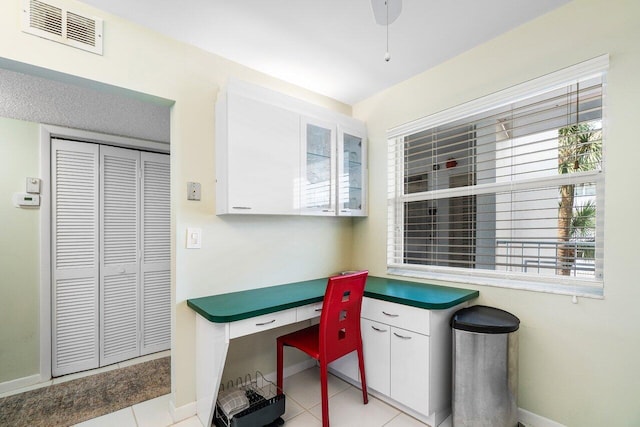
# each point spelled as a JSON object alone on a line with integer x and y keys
{"x": 332, "y": 47}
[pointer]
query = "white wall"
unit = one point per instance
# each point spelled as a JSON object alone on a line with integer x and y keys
{"x": 237, "y": 253}
{"x": 578, "y": 362}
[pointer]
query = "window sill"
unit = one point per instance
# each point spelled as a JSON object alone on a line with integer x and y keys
{"x": 515, "y": 282}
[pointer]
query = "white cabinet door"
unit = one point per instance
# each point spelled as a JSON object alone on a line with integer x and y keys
{"x": 377, "y": 363}
{"x": 352, "y": 172}
{"x": 155, "y": 274}
{"x": 318, "y": 195}
{"x": 410, "y": 369}
{"x": 261, "y": 159}
{"x": 75, "y": 256}
{"x": 119, "y": 247}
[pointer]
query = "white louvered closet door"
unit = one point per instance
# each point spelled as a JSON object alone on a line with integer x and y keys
{"x": 156, "y": 254}
{"x": 75, "y": 215}
{"x": 119, "y": 248}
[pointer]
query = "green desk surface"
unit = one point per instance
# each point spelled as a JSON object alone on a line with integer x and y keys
{"x": 255, "y": 302}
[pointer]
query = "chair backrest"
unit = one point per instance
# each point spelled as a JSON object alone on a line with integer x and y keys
{"x": 340, "y": 318}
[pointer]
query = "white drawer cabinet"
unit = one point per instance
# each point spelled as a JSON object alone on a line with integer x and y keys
{"x": 309, "y": 311}
{"x": 402, "y": 316}
{"x": 261, "y": 323}
{"x": 407, "y": 352}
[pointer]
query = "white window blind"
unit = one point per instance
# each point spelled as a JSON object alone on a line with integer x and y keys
{"x": 505, "y": 189}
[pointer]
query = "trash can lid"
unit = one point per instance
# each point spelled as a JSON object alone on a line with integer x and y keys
{"x": 486, "y": 320}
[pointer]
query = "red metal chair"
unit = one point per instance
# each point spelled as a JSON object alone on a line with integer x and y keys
{"x": 337, "y": 334}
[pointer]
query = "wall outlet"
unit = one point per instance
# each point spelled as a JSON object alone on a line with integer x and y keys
{"x": 193, "y": 191}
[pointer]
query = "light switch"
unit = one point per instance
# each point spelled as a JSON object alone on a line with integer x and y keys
{"x": 194, "y": 238}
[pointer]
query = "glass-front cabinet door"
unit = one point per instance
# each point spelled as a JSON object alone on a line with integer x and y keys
{"x": 319, "y": 167}
{"x": 352, "y": 173}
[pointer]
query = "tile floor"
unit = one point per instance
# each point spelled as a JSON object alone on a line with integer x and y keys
{"x": 303, "y": 408}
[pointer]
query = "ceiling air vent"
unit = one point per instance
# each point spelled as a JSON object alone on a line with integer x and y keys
{"x": 54, "y": 22}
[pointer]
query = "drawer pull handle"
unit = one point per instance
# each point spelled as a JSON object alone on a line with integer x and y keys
{"x": 266, "y": 323}
{"x": 378, "y": 329}
{"x": 389, "y": 314}
{"x": 241, "y": 207}
{"x": 319, "y": 309}
{"x": 403, "y": 337}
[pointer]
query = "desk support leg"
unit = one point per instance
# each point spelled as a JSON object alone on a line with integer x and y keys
{"x": 212, "y": 343}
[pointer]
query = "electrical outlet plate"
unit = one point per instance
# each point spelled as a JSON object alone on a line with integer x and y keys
{"x": 193, "y": 191}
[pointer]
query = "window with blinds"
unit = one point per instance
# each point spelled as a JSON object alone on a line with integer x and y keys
{"x": 507, "y": 189}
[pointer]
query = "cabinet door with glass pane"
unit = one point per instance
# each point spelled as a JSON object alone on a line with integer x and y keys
{"x": 318, "y": 167}
{"x": 352, "y": 172}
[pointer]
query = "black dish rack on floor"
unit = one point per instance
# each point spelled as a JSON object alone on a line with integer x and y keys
{"x": 266, "y": 404}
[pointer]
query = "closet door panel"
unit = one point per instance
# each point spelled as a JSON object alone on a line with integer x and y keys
{"x": 119, "y": 244}
{"x": 75, "y": 214}
{"x": 156, "y": 253}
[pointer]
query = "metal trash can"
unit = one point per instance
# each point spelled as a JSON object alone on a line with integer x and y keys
{"x": 485, "y": 367}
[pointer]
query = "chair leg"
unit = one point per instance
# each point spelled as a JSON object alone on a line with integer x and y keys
{"x": 279, "y": 367}
{"x": 363, "y": 379}
{"x": 324, "y": 387}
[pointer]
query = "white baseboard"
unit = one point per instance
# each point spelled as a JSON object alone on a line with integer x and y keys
{"x": 529, "y": 419}
{"x": 183, "y": 412}
{"x": 19, "y": 383}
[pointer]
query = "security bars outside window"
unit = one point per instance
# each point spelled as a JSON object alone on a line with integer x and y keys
{"x": 506, "y": 190}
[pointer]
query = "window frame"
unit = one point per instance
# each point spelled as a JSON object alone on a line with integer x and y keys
{"x": 396, "y": 198}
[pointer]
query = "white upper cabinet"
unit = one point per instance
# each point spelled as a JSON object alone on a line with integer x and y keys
{"x": 278, "y": 155}
{"x": 258, "y": 160}
{"x": 352, "y": 172}
{"x": 318, "y": 195}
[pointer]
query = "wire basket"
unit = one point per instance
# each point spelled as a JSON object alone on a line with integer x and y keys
{"x": 263, "y": 407}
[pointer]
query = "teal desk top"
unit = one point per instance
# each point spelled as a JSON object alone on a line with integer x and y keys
{"x": 255, "y": 302}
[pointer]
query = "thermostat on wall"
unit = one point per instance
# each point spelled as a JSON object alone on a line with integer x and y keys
{"x": 25, "y": 200}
